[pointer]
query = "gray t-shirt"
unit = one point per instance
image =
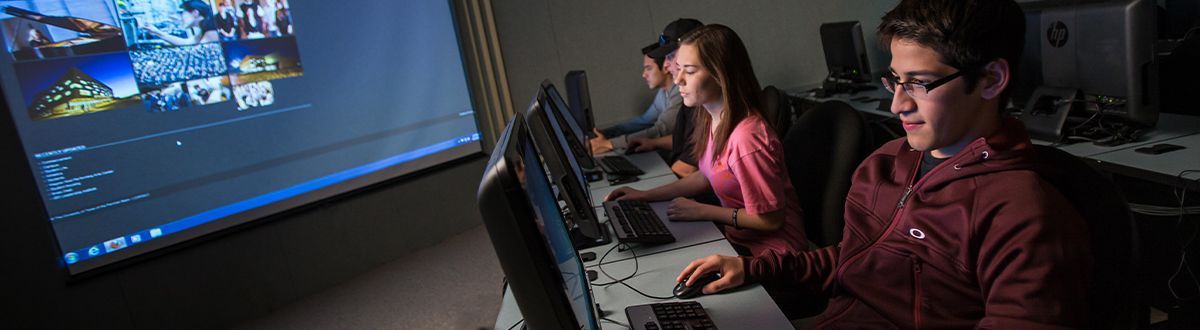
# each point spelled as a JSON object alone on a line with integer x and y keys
{"x": 669, "y": 102}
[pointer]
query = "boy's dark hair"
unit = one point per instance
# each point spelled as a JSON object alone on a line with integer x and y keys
{"x": 967, "y": 34}
{"x": 657, "y": 60}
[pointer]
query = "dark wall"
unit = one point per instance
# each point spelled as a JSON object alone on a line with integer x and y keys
{"x": 238, "y": 275}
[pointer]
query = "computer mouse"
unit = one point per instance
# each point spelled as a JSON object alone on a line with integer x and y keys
{"x": 682, "y": 291}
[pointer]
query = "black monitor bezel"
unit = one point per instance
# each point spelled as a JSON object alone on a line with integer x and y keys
{"x": 565, "y": 173}
{"x": 507, "y": 212}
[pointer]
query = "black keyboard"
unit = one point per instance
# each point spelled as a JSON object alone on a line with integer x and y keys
{"x": 636, "y": 222}
{"x": 669, "y": 316}
{"x": 620, "y": 166}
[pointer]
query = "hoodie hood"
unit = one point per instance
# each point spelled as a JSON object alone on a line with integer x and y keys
{"x": 1006, "y": 149}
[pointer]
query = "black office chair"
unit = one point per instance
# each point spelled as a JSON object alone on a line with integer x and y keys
{"x": 823, "y": 147}
{"x": 777, "y": 109}
{"x": 1113, "y": 298}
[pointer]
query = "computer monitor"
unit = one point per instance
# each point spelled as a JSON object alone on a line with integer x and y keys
{"x": 565, "y": 174}
{"x": 576, "y": 138}
{"x": 845, "y": 52}
{"x": 1105, "y": 50}
{"x": 543, "y": 270}
{"x": 580, "y": 100}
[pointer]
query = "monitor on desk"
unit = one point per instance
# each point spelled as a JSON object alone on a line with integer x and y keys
{"x": 576, "y": 137}
{"x": 520, "y": 212}
{"x": 845, "y": 52}
{"x": 580, "y": 100}
{"x": 565, "y": 174}
{"x": 1104, "y": 50}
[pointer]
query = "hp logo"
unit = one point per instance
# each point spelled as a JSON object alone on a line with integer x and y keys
{"x": 1057, "y": 34}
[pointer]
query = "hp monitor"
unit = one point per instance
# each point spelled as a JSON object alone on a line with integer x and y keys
{"x": 1106, "y": 51}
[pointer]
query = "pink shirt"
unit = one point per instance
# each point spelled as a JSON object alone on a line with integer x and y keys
{"x": 751, "y": 174}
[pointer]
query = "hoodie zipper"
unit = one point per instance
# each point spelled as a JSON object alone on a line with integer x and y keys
{"x": 916, "y": 267}
{"x": 841, "y": 270}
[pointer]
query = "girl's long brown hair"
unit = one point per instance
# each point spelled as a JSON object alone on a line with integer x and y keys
{"x": 723, "y": 54}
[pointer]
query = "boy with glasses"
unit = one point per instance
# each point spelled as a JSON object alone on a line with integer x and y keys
{"x": 955, "y": 225}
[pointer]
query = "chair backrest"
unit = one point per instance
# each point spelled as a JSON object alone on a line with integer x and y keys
{"x": 777, "y": 108}
{"x": 1113, "y": 295}
{"x": 822, "y": 149}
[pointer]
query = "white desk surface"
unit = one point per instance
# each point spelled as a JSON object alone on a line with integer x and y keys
{"x": 747, "y": 307}
{"x": 1164, "y": 168}
{"x": 648, "y": 162}
{"x": 687, "y": 233}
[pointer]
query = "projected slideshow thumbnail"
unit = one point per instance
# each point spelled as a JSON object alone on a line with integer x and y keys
{"x": 165, "y": 98}
{"x": 253, "y": 95}
{"x": 261, "y": 60}
{"x": 77, "y": 85}
{"x": 163, "y": 23}
{"x": 32, "y": 35}
{"x": 252, "y": 19}
{"x": 163, "y": 65}
{"x": 85, "y": 56}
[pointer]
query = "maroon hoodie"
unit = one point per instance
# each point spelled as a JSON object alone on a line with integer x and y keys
{"x": 982, "y": 240}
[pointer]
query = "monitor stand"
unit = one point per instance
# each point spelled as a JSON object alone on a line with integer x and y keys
{"x": 1047, "y": 110}
{"x": 833, "y": 86}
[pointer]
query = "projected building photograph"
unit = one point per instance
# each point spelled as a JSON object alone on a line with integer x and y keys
{"x": 63, "y": 28}
{"x": 77, "y": 85}
{"x": 209, "y": 90}
{"x": 159, "y": 66}
{"x": 253, "y": 95}
{"x": 166, "y": 98}
{"x": 264, "y": 59}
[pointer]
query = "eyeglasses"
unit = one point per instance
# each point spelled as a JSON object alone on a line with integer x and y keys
{"x": 916, "y": 89}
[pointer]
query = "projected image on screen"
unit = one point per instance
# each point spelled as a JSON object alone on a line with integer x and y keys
{"x": 34, "y": 35}
{"x": 254, "y": 95}
{"x": 165, "y": 98}
{"x": 209, "y": 90}
{"x": 264, "y": 59}
{"x": 77, "y": 85}
{"x": 148, "y": 123}
{"x": 163, "y": 65}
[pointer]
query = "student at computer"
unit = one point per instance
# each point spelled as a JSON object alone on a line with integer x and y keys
{"x": 659, "y": 118}
{"x": 741, "y": 158}
{"x": 953, "y": 226}
{"x": 679, "y": 143}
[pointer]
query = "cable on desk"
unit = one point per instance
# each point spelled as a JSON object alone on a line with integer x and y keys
{"x": 601, "y": 262}
{"x": 1181, "y": 196}
{"x": 615, "y": 322}
{"x": 1163, "y": 211}
{"x": 516, "y": 324}
{"x": 622, "y": 280}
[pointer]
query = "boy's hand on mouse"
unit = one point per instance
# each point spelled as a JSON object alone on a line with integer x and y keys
{"x": 730, "y": 269}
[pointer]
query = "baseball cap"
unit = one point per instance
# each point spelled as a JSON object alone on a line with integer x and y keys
{"x": 668, "y": 41}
